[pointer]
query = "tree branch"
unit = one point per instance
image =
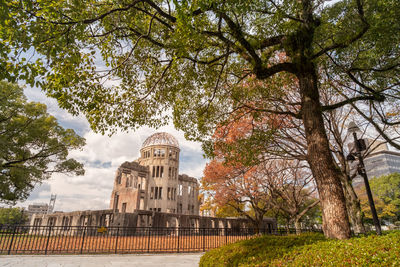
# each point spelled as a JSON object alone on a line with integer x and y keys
{"x": 347, "y": 101}
{"x": 353, "y": 39}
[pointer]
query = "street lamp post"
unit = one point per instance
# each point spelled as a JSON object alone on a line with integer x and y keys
{"x": 359, "y": 145}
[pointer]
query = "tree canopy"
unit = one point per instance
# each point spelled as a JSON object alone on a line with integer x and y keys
{"x": 12, "y": 216}
{"x": 131, "y": 63}
{"x": 386, "y": 193}
{"x": 32, "y": 145}
{"x": 149, "y": 46}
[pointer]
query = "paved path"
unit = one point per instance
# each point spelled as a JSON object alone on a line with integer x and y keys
{"x": 145, "y": 260}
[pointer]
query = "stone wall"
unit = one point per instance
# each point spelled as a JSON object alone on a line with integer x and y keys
{"x": 140, "y": 218}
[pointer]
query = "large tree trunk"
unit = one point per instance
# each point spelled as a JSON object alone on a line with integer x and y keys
{"x": 287, "y": 226}
{"x": 353, "y": 205}
{"x": 258, "y": 220}
{"x": 297, "y": 226}
{"x": 298, "y": 217}
{"x": 327, "y": 177}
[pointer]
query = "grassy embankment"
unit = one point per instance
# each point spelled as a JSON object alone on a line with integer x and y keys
{"x": 308, "y": 250}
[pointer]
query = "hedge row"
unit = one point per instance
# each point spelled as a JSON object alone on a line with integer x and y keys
{"x": 308, "y": 250}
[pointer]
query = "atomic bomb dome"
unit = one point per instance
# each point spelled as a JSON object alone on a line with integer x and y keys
{"x": 152, "y": 182}
{"x": 148, "y": 192}
{"x": 160, "y": 139}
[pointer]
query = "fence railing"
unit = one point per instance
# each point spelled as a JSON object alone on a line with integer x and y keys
{"x": 92, "y": 240}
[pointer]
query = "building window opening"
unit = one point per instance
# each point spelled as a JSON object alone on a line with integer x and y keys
{"x": 37, "y": 222}
{"x": 66, "y": 223}
{"x": 155, "y": 192}
{"x": 174, "y": 195}
{"x": 159, "y": 153}
{"x": 169, "y": 172}
{"x": 160, "y": 193}
{"x": 52, "y": 221}
{"x": 169, "y": 193}
{"x": 123, "y": 209}
{"x": 116, "y": 198}
{"x": 152, "y": 193}
{"x": 154, "y": 171}
{"x": 161, "y": 171}
{"x": 158, "y": 171}
{"x": 159, "y": 209}
{"x": 180, "y": 189}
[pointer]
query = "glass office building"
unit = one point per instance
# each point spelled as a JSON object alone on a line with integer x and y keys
{"x": 383, "y": 162}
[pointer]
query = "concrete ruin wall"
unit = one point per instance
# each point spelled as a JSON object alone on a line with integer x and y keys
{"x": 140, "y": 218}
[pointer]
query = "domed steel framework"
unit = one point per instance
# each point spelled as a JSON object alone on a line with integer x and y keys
{"x": 160, "y": 139}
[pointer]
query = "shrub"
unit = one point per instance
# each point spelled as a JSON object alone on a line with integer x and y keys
{"x": 308, "y": 250}
{"x": 371, "y": 250}
{"x": 256, "y": 250}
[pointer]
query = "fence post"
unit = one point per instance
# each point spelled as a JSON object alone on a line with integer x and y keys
{"x": 148, "y": 240}
{"x": 178, "y": 238}
{"x": 116, "y": 241}
{"x": 204, "y": 238}
{"x": 83, "y": 238}
{"x": 48, "y": 239}
{"x": 12, "y": 239}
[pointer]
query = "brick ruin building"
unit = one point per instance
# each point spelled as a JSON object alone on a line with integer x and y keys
{"x": 149, "y": 192}
{"x": 152, "y": 182}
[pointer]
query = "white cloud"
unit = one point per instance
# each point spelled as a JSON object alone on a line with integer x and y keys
{"x": 101, "y": 156}
{"x": 78, "y": 123}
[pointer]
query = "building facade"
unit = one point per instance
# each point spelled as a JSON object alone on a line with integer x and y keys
{"x": 153, "y": 182}
{"x": 378, "y": 161}
{"x": 382, "y": 163}
{"x": 38, "y": 208}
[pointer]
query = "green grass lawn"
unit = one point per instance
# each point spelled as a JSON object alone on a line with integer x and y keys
{"x": 308, "y": 250}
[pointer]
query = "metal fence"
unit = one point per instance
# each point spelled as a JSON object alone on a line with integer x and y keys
{"x": 92, "y": 240}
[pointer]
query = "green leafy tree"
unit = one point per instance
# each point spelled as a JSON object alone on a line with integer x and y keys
{"x": 192, "y": 57}
{"x": 386, "y": 191}
{"x": 10, "y": 216}
{"x": 32, "y": 145}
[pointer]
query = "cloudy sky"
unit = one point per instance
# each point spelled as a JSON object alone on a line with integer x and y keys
{"x": 102, "y": 155}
